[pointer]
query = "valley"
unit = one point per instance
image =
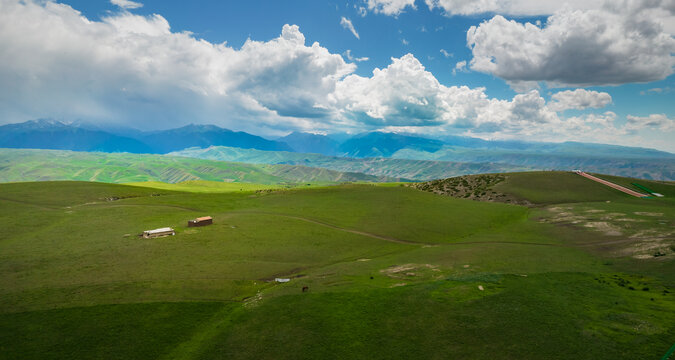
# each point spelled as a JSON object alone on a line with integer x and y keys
{"x": 382, "y": 264}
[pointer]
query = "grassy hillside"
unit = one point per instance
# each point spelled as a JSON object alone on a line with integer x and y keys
{"x": 392, "y": 272}
{"x": 394, "y": 168}
{"x": 202, "y": 186}
{"x": 42, "y": 165}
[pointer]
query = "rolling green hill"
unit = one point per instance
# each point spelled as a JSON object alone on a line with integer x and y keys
{"x": 42, "y": 165}
{"x": 395, "y": 168}
{"x": 391, "y": 272}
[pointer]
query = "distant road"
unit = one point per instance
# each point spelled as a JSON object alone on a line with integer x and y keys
{"x": 612, "y": 185}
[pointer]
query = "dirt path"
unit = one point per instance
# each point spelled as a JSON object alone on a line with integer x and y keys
{"x": 391, "y": 239}
{"x": 612, "y": 185}
{"x": 312, "y": 221}
{"x": 41, "y": 206}
{"x": 112, "y": 205}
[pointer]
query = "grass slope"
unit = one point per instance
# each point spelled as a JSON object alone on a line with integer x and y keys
{"x": 202, "y": 186}
{"x": 42, "y": 165}
{"x": 392, "y": 272}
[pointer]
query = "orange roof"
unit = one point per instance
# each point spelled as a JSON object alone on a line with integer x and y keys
{"x": 203, "y": 218}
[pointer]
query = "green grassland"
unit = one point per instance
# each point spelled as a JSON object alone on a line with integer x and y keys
{"x": 203, "y": 186}
{"x": 43, "y": 165}
{"x": 392, "y": 272}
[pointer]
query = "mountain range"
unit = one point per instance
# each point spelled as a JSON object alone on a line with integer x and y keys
{"x": 18, "y": 165}
{"x": 376, "y": 153}
{"x": 51, "y": 134}
{"x": 471, "y": 161}
{"x": 80, "y": 136}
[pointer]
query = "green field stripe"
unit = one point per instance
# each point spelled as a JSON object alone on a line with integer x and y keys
{"x": 206, "y": 332}
{"x": 669, "y": 353}
{"x": 641, "y": 187}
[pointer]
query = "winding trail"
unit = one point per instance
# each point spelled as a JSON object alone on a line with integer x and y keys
{"x": 353, "y": 231}
{"x": 390, "y": 239}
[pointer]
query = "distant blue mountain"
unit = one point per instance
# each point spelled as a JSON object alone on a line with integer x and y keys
{"x": 50, "y": 134}
{"x": 204, "y": 136}
{"x": 311, "y": 143}
{"x": 381, "y": 144}
{"x": 569, "y": 147}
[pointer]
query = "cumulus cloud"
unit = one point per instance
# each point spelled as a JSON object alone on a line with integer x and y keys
{"x": 608, "y": 46}
{"x": 390, "y": 7}
{"x": 126, "y": 4}
{"x": 446, "y": 53}
{"x": 134, "y": 69}
{"x": 347, "y": 24}
{"x": 579, "y": 99}
{"x": 406, "y": 95}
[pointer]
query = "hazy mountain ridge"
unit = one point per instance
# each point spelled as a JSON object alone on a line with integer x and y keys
{"x": 376, "y": 153}
{"x": 654, "y": 168}
{"x": 41, "y": 134}
{"x": 311, "y": 143}
{"x": 380, "y": 144}
{"x": 82, "y": 136}
{"x": 43, "y": 165}
{"x": 207, "y": 135}
{"x": 470, "y": 162}
{"x": 397, "y": 168}
{"x": 51, "y": 134}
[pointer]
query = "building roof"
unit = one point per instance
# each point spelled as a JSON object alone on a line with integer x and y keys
{"x": 160, "y": 230}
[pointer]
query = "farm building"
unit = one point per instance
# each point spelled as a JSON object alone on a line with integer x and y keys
{"x": 200, "y": 221}
{"x": 167, "y": 231}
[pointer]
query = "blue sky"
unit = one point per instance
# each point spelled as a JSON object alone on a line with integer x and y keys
{"x": 531, "y": 70}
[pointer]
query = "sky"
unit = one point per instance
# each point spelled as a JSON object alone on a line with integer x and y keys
{"x": 534, "y": 70}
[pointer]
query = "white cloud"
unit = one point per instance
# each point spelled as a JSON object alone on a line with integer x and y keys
{"x": 464, "y": 7}
{"x": 350, "y": 57}
{"x": 657, "y": 91}
{"x": 446, "y": 54}
{"x": 126, "y": 4}
{"x": 608, "y": 46}
{"x": 405, "y": 97}
{"x": 362, "y": 11}
{"x": 347, "y": 24}
{"x": 508, "y": 7}
{"x": 405, "y": 94}
{"x": 459, "y": 66}
{"x": 132, "y": 69}
{"x": 390, "y": 7}
{"x": 660, "y": 10}
{"x": 652, "y": 122}
{"x": 405, "y": 42}
{"x": 579, "y": 99}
